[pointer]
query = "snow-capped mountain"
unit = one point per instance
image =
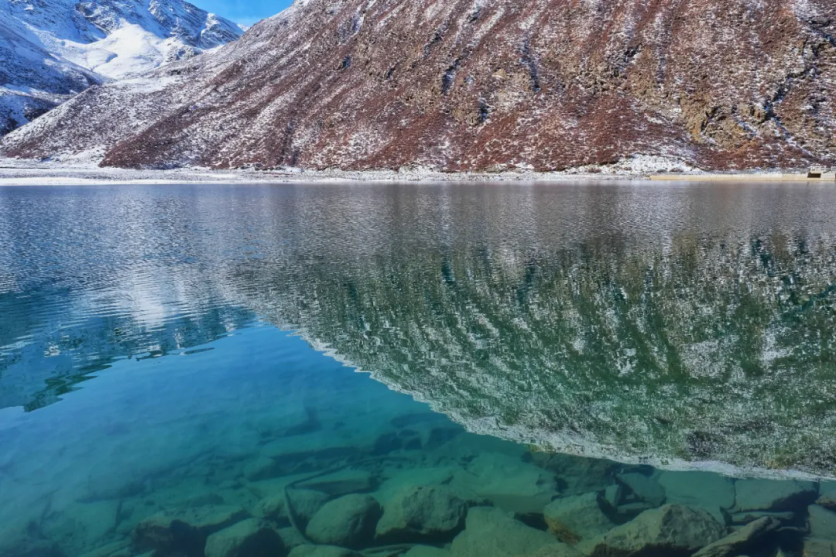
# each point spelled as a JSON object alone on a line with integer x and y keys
{"x": 489, "y": 85}
{"x": 53, "y": 49}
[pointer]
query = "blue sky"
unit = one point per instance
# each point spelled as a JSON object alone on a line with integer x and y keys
{"x": 243, "y": 11}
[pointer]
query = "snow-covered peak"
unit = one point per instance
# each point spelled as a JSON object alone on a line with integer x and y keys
{"x": 89, "y": 21}
{"x": 46, "y": 46}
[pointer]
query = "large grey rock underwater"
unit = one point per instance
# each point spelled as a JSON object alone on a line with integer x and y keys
{"x": 422, "y": 513}
{"x": 668, "y": 530}
{"x": 346, "y": 522}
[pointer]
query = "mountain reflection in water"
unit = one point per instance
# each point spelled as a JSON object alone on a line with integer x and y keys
{"x": 667, "y": 325}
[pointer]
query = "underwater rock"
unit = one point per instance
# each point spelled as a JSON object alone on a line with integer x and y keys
{"x": 645, "y": 488}
{"x": 31, "y": 548}
{"x": 576, "y": 475}
{"x": 440, "y": 436}
{"x": 87, "y": 526}
{"x": 698, "y": 489}
{"x": 427, "y": 551}
{"x": 668, "y": 530}
{"x": 411, "y": 477}
{"x": 306, "y": 503}
{"x": 556, "y": 550}
{"x": 291, "y": 537}
{"x": 741, "y": 540}
{"x": 347, "y": 522}
{"x": 203, "y": 500}
{"x": 507, "y": 482}
{"x": 248, "y": 538}
{"x": 613, "y": 495}
{"x": 492, "y": 532}
{"x": 828, "y": 500}
{"x": 343, "y": 482}
{"x": 272, "y": 507}
{"x": 770, "y": 495}
{"x": 577, "y": 518}
{"x": 184, "y": 531}
{"x": 822, "y": 522}
{"x": 421, "y": 513}
{"x": 818, "y": 548}
{"x": 751, "y": 516}
{"x": 306, "y": 453}
{"x": 322, "y": 551}
{"x": 387, "y": 442}
{"x": 629, "y": 511}
{"x": 262, "y": 468}
{"x": 121, "y": 548}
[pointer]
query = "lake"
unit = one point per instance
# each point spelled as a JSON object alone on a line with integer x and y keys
{"x": 333, "y": 370}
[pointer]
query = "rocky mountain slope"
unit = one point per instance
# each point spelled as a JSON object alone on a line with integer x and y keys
{"x": 464, "y": 84}
{"x": 53, "y": 49}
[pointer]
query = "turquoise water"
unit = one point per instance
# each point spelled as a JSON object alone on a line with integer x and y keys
{"x": 259, "y": 371}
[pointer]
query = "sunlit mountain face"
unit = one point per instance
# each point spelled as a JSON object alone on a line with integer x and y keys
{"x": 682, "y": 328}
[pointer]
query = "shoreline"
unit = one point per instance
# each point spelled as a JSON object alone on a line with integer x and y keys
{"x": 16, "y": 172}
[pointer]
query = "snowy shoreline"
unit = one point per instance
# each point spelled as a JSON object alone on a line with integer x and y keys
{"x": 20, "y": 172}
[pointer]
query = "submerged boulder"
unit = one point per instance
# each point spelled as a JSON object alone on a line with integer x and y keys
{"x": 305, "y": 503}
{"x": 30, "y": 548}
{"x": 421, "y": 513}
{"x": 291, "y": 537}
{"x": 272, "y": 507}
{"x": 645, "y": 488}
{"x": 822, "y": 522}
{"x": 262, "y": 468}
{"x": 577, "y": 518}
{"x": 738, "y": 542}
{"x": 248, "y": 538}
{"x": 698, "y": 489}
{"x": 774, "y": 495}
{"x": 347, "y": 522}
{"x": 577, "y": 475}
{"x": 322, "y": 551}
{"x": 556, "y": 550}
{"x": 343, "y": 482}
{"x": 507, "y": 482}
{"x": 743, "y": 518}
{"x": 120, "y": 548}
{"x": 492, "y": 532}
{"x": 668, "y": 530}
{"x": 818, "y": 548}
{"x": 828, "y": 500}
{"x": 184, "y": 531}
{"x": 427, "y": 551}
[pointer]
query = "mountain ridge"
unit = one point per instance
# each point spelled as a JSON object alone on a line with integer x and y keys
{"x": 52, "y": 50}
{"x": 464, "y": 85}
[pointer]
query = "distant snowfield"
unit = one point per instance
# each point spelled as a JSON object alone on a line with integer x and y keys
{"x": 54, "y": 49}
{"x": 127, "y": 51}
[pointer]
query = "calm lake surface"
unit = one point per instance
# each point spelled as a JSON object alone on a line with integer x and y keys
{"x": 179, "y": 369}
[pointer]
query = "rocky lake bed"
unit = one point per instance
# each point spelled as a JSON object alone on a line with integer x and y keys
{"x": 330, "y": 371}
{"x": 426, "y": 488}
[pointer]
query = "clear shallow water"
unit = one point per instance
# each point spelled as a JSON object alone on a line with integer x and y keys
{"x": 146, "y": 367}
